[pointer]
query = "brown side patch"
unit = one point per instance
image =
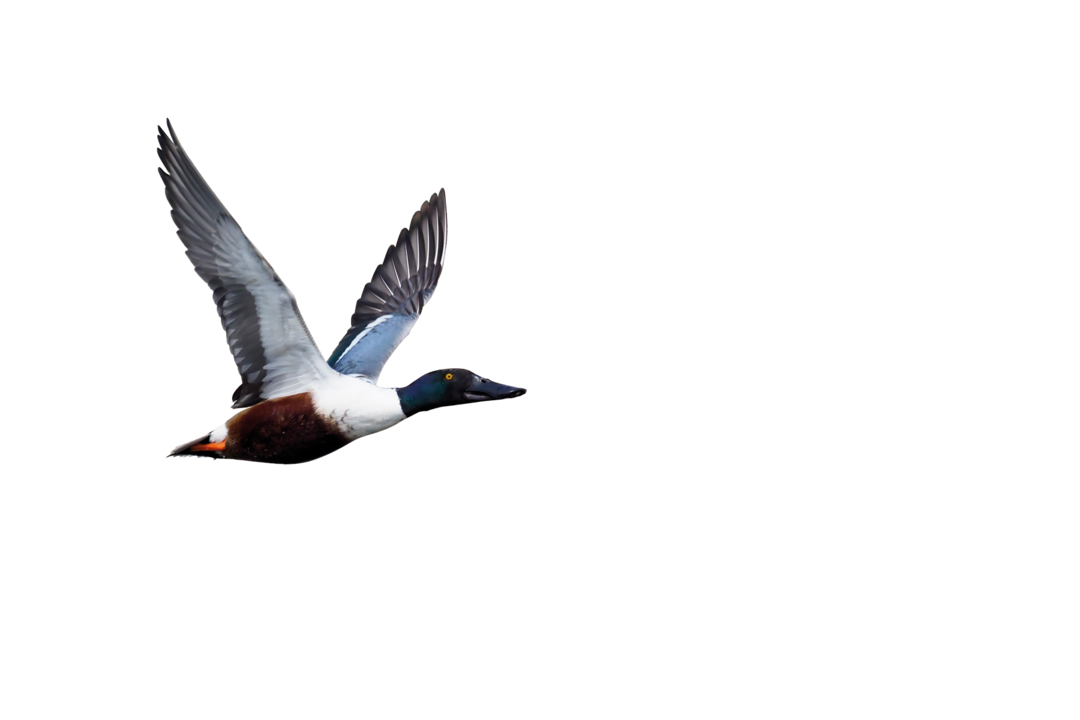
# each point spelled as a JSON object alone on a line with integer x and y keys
{"x": 283, "y": 430}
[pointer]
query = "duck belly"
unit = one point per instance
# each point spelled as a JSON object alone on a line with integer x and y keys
{"x": 283, "y": 430}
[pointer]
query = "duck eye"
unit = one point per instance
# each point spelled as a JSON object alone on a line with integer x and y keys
{"x": 449, "y": 376}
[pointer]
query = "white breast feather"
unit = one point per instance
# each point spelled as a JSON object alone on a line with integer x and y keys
{"x": 358, "y": 407}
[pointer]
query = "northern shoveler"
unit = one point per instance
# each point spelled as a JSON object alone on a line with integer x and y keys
{"x": 297, "y": 406}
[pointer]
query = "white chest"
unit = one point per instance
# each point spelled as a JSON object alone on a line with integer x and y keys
{"x": 356, "y": 406}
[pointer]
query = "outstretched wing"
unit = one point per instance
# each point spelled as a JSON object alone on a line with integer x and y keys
{"x": 396, "y": 295}
{"x": 272, "y": 347}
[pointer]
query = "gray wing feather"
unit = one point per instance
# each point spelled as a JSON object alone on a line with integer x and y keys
{"x": 400, "y": 288}
{"x": 273, "y": 350}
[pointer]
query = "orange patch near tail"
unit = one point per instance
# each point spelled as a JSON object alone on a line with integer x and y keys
{"x": 209, "y": 447}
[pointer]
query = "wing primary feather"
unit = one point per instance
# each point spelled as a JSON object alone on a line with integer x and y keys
{"x": 262, "y": 322}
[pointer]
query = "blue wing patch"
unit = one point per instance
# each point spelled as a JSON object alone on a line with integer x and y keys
{"x": 367, "y": 352}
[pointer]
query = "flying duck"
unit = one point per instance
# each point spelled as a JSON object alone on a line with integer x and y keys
{"x": 296, "y": 405}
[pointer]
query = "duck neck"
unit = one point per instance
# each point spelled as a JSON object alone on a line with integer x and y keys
{"x": 418, "y": 397}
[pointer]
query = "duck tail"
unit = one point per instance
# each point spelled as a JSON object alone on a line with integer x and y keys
{"x": 200, "y": 448}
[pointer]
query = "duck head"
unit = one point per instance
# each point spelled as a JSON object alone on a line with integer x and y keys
{"x": 453, "y": 386}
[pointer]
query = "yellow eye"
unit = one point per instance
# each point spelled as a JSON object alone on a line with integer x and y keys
{"x": 449, "y": 376}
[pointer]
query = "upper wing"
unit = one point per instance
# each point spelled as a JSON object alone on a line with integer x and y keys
{"x": 273, "y": 349}
{"x": 396, "y": 295}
